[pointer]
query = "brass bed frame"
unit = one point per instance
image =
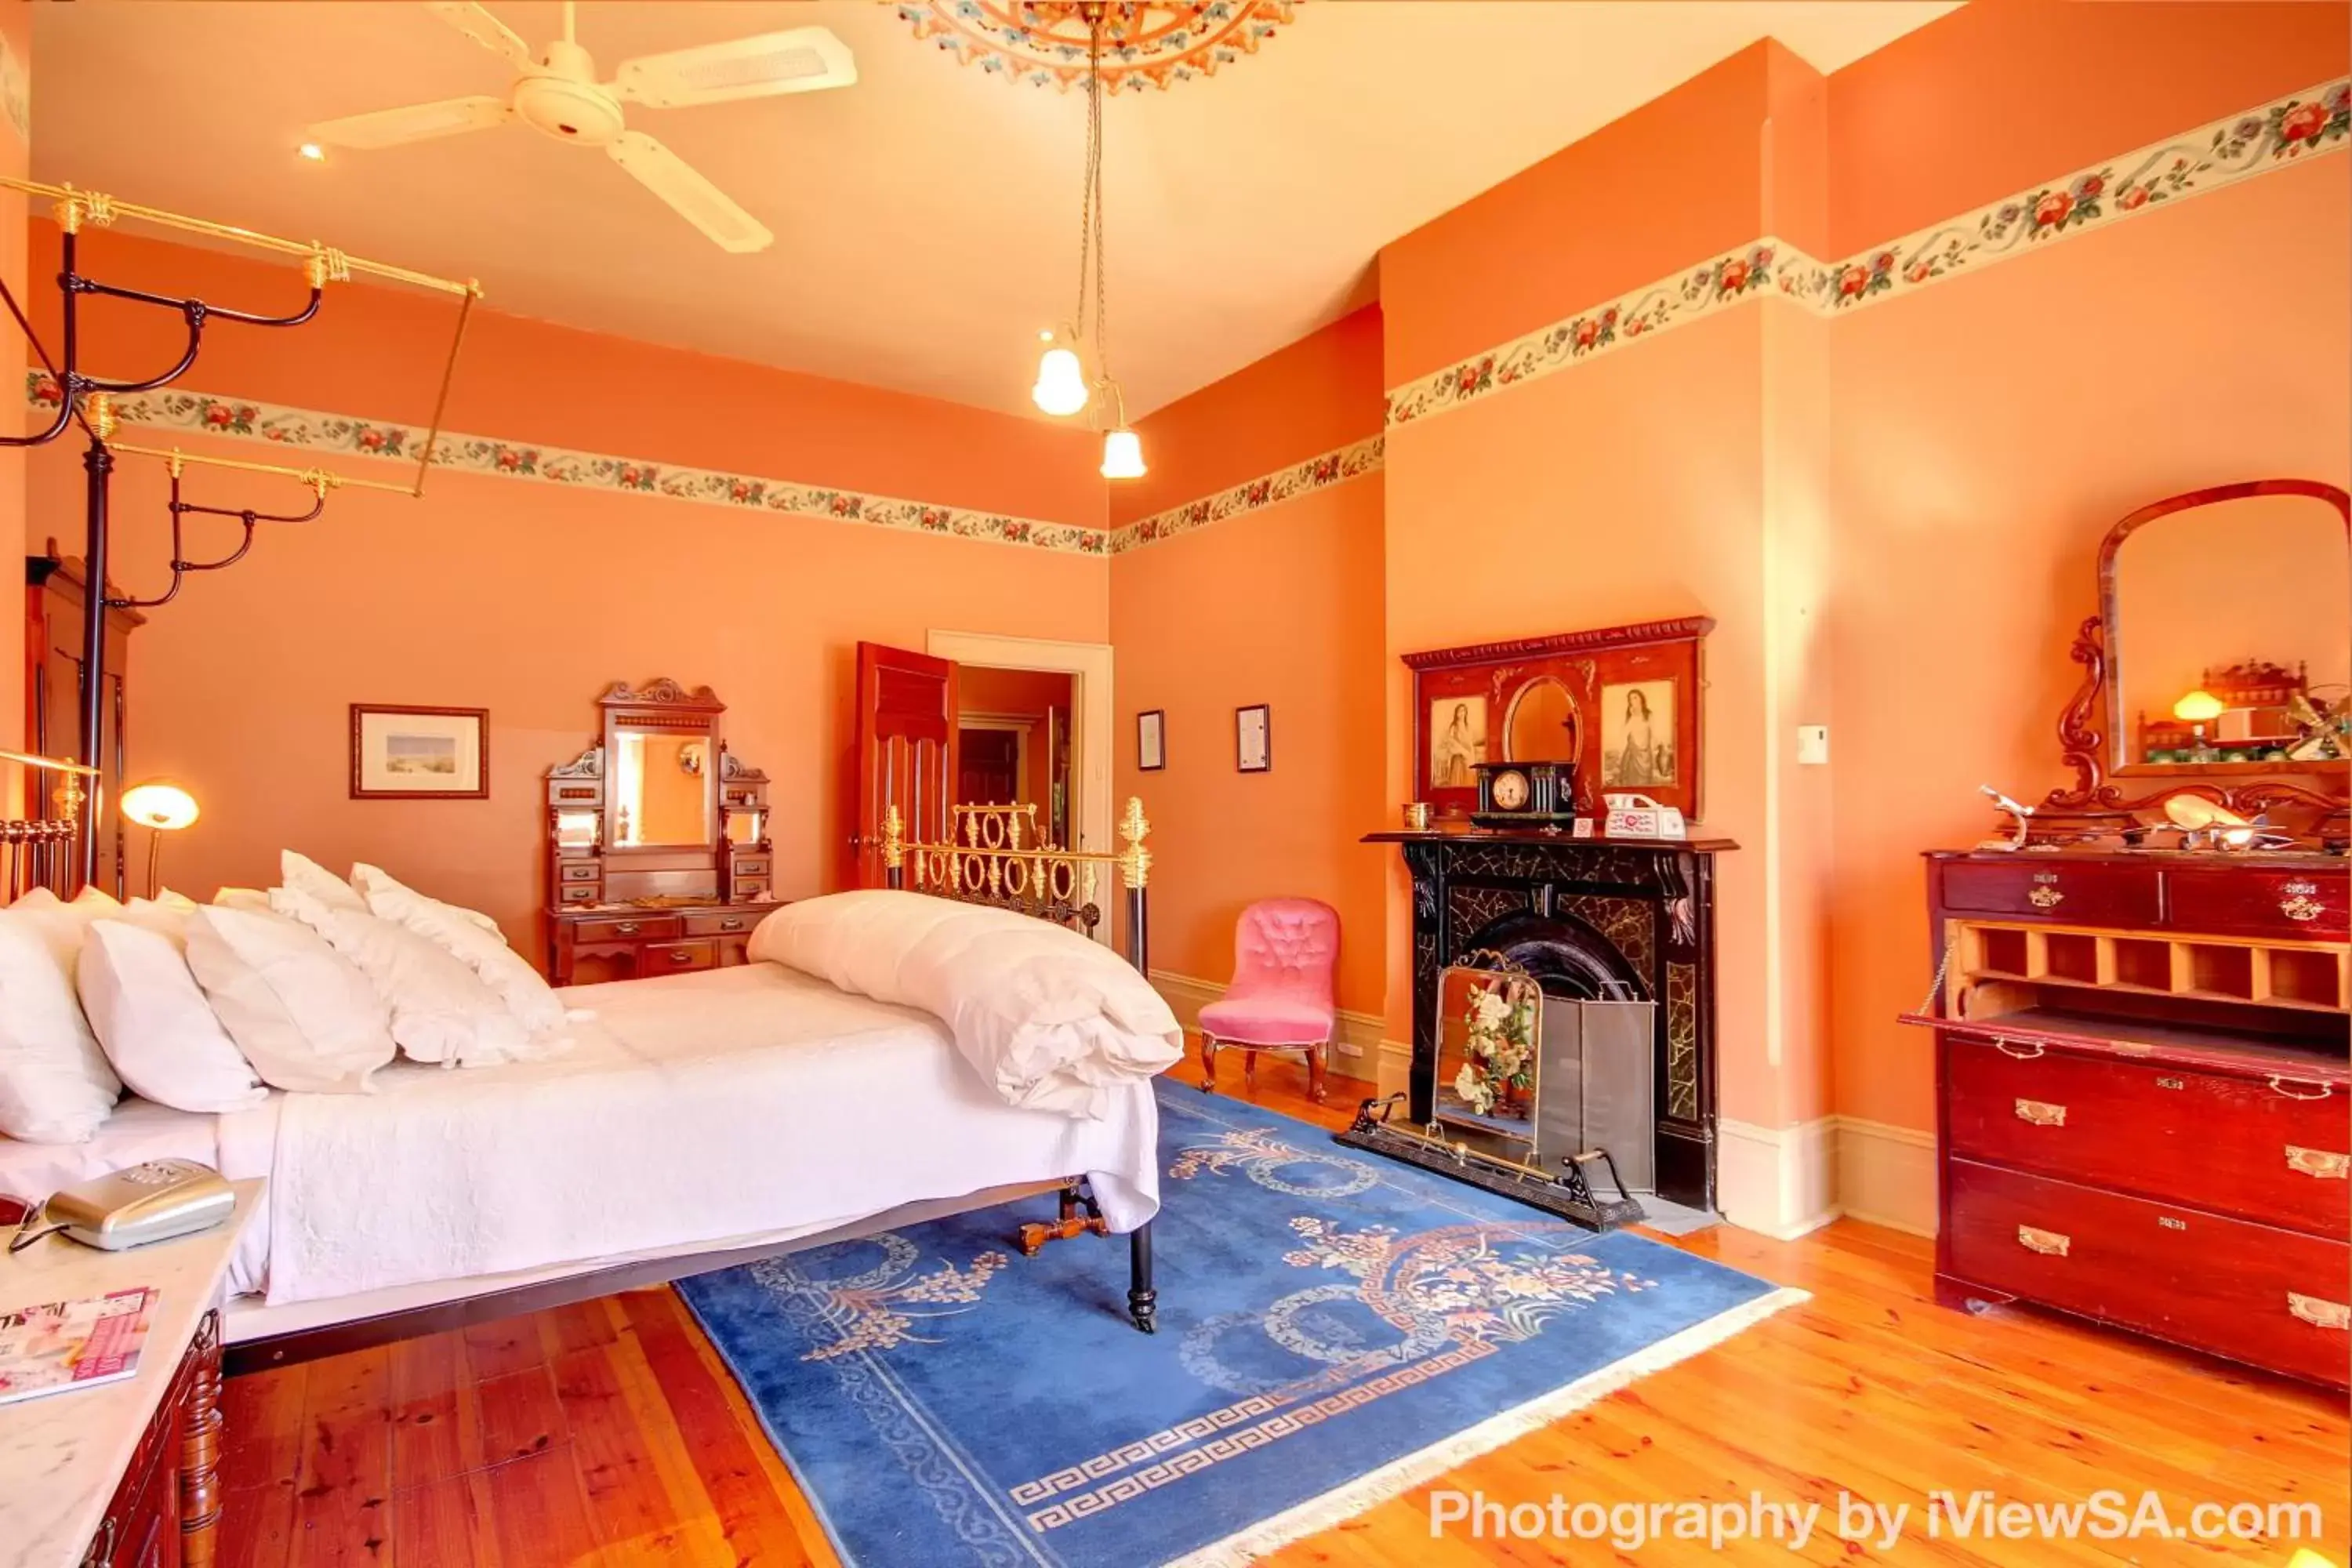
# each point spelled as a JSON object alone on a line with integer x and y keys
{"x": 993, "y": 857}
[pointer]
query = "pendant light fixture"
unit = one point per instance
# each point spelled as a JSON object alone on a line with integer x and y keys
{"x": 1062, "y": 388}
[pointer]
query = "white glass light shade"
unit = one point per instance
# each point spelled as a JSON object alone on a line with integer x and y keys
{"x": 1061, "y": 383}
{"x": 1122, "y": 455}
{"x": 159, "y": 804}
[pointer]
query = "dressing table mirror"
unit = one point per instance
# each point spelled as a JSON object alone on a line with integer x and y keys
{"x": 658, "y": 861}
{"x": 2219, "y": 666}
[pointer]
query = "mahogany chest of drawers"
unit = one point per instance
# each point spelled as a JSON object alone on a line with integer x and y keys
{"x": 2144, "y": 1099}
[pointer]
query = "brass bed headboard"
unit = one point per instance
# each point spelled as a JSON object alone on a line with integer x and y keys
{"x": 38, "y": 851}
{"x": 997, "y": 856}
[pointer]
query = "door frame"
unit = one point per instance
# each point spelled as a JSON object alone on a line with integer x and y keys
{"x": 1089, "y": 665}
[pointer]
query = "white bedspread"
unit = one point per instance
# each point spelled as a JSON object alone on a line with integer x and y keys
{"x": 698, "y": 1107}
{"x": 1049, "y": 1018}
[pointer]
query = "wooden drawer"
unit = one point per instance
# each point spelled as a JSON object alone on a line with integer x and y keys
{"x": 734, "y": 949}
{"x": 629, "y": 928}
{"x": 730, "y": 924}
{"x": 2239, "y": 1145}
{"x": 579, "y": 871}
{"x": 2271, "y": 1297}
{"x": 2036, "y": 890}
{"x": 2306, "y": 906}
{"x": 752, "y": 866}
{"x": 677, "y": 957}
{"x": 577, "y": 893}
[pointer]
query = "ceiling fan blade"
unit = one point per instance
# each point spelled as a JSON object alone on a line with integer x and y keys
{"x": 695, "y": 198}
{"x": 414, "y": 122}
{"x": 803, "y": 59}
{"x": 485, "y": 29}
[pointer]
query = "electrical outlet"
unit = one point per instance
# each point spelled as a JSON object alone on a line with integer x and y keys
{"x": 1813, "y": 745}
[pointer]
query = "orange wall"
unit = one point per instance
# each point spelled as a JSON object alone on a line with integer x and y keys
{"x": 16, "y": 158}
{"x": 1281, "y": 605}
{"x": 528, "y": 598}
{"x": 1971, "y": 508}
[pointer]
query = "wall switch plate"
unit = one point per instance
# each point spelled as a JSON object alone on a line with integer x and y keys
{"x": 1813, "y": 745}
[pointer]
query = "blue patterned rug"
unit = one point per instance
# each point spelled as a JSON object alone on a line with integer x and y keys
{"x": 1334, "y": 1327}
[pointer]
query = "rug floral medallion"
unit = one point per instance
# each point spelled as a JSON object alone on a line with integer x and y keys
{"x": 1334, "y": 1329}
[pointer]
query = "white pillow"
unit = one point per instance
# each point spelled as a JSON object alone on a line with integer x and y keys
{"x": 307, "y": 876}
{"x": 518, "y": 986}
{"x": 371, "y": 879}
{"x": 63, "y": 925}
{"x": 441, "y": 1011}
{"x": 158, "y": 1030}
{"x": 303, "y": 1016}
{"x": 165, "y": 918}
{"x": 55, "y": 1085}
{"x": 251, "y": 900}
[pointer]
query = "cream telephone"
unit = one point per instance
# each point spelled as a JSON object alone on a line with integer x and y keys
{"x": 153, "y": 1200}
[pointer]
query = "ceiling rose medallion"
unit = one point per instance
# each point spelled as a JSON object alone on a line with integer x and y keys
{"x": 1145, "y": 43}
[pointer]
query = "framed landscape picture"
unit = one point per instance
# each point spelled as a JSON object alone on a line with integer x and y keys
{"x": 420, "y": 754}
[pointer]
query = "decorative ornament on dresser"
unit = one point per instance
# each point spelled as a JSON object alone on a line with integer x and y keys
{"x": 659, "y": 863}
{"x": 2142, "y": 1002}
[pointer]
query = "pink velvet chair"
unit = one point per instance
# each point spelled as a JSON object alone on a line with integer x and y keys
{"x": 1280, "y": 1000}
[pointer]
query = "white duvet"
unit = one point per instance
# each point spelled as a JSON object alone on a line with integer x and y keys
{"x": 1049, "y": 1020}
{"x": 697, "y": 1109}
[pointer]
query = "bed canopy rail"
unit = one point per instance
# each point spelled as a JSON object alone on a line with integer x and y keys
{"x": 91, "y": 402}
{"x": 995, "y": 855}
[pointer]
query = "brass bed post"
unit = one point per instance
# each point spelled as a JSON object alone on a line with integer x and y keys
{"x": 1134, "y": 871}
{"x": 894, "y": 851}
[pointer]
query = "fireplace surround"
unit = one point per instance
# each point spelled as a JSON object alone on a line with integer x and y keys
{"x": 1593, "y": 920}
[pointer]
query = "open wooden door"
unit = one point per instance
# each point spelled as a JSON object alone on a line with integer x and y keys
{"x": 907, "y": 711}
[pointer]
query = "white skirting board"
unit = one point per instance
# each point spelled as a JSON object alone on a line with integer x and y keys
{"x": 1783, "y": 1182}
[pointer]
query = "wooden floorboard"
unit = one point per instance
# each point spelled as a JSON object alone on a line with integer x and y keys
{"x": 610, "y": 1432}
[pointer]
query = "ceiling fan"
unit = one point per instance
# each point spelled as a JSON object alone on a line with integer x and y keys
{"x": 557, "y": 93}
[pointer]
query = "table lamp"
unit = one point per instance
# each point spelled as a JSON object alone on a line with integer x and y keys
{"x": 164, "y": 806}
{"x": 2198, "y": 709}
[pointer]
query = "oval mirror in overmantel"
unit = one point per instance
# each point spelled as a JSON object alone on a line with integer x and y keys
{"x": 1541, "y": 724}
{"x": 2228, "y": 632}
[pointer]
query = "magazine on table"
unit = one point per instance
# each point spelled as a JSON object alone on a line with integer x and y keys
{"x": 58, "y": 1345}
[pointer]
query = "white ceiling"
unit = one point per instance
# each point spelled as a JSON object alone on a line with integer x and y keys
{"x": 925, "y": 218}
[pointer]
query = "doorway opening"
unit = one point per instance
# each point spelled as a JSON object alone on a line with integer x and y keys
{"x": 1013, "y": 744}
{"x": 1082, "y": 733}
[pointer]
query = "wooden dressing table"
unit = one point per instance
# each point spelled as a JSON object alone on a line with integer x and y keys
{"x": 2140, "y": 1015}
{"x": 658, "y": 859}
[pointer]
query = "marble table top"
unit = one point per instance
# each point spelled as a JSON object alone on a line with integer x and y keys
{"x": 62, "y": 1455}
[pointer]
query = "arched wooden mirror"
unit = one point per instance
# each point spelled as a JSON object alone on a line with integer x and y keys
{"x": 1541, "y": 726}
{"x": 2220, "y": 664}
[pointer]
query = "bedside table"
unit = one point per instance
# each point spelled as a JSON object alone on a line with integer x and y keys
{"x": 127, "y": 1472}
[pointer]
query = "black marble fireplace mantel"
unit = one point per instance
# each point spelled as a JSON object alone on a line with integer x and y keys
{"x": 1640, "y": 911}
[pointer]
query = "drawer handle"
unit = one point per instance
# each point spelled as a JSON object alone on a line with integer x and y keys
{"x": 2045, "y": 898}
{"x": 730, "y": 925}
{"x": 2167, "y": 1222}
{"x": 2172, "y": 1083}
{"x": 680, "y": 955}
{"x": 2049, "y": 1243}
{"x": 2302, "y": 907}
{"x": 2040, "y": 1113}
{"x": 2319, "y": 1312}
{"x": 2320, "y": 1163}
{"x": 2288, "y": 1087}
{"x": 2023, "y": 1050}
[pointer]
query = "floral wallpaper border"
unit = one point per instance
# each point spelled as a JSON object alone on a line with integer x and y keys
{"x": 1287, "y": 484}
{"x": 2313, "y": 122}
{"x": 210, "y": 413}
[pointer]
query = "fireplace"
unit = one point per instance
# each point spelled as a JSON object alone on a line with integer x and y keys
{"x": 1594, "y": 922}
